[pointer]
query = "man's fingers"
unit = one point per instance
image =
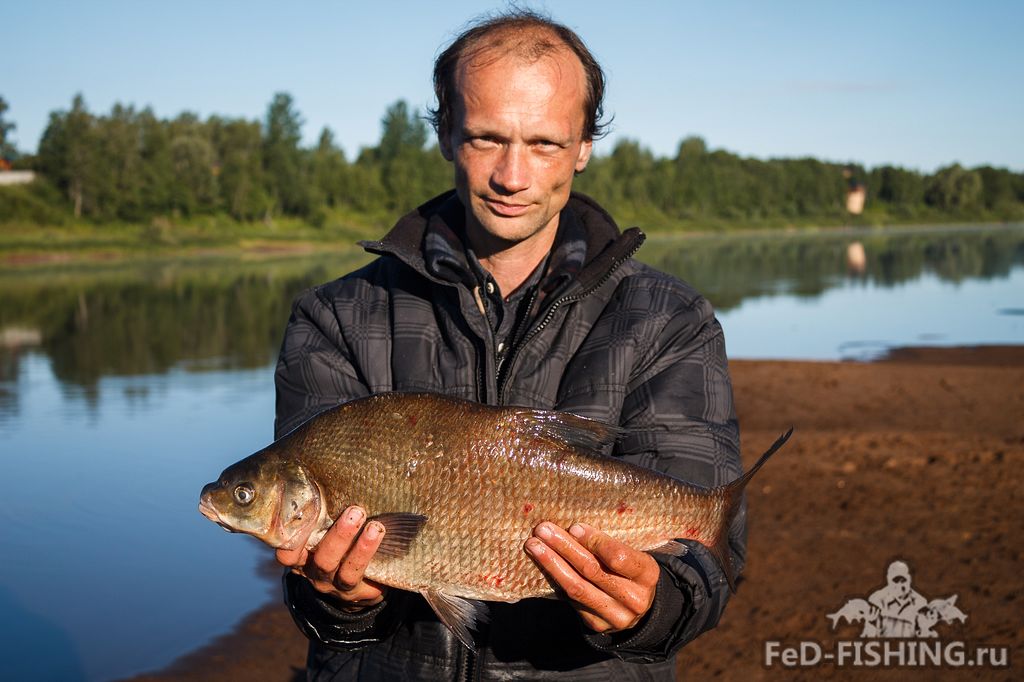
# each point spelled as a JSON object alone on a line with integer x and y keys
{"x": 578, "y": 589}
{"x": 337, "y": 542}
{"x": 585, "y": 563}
{"x": 292, "y": 557}
{"x": 619, "y": 558}
{"x": 595, "y": 622}
{"x": 602, "y": 569}
{"x": 350, "y": 573}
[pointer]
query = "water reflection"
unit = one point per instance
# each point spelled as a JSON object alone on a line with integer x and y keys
{"x": 95, "y": 322}
{"x": 730, "y": 270}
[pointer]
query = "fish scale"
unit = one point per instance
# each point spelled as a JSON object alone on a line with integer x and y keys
{"x": 459, "y": 488}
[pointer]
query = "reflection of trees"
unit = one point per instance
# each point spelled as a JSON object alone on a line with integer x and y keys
{"x": 148, "y": 318}
{"x": 729, "y": 270}
{"x": 146, "y": 321}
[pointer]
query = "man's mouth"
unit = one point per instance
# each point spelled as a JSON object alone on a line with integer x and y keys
{"x": 508, "y": 210}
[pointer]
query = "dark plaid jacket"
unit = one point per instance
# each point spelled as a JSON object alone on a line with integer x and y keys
{"x": 615, "y": 341}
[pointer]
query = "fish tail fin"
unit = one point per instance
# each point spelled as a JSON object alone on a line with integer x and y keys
{"x": 732, "y": 497}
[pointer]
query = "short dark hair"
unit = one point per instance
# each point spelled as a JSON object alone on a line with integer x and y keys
{"x": 526, "y": 33}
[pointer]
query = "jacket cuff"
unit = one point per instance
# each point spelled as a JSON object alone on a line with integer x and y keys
{"x": 652, "y": 638}
{"x": 321, "y": 621}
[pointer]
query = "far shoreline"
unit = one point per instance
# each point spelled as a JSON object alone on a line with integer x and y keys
{"x": 116, "y": 248}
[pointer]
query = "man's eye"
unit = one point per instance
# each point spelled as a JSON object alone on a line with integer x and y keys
{"x": 483, "y": 142}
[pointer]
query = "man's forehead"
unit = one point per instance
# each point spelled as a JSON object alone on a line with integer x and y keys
{"x": 561, "y": 60}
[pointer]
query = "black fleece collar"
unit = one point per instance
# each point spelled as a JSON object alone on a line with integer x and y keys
{"x": 429, "y": 239}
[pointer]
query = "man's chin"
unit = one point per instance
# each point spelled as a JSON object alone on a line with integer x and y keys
{"x": 509, "y": 230}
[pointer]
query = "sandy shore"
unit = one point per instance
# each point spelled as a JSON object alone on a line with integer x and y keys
{"x": 918, "y": 457}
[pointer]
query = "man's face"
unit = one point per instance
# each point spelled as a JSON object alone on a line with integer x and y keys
{"x": 516, "y": 141}
{"x": 901, "y": 583}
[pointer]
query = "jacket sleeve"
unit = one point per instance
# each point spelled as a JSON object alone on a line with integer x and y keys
{"x": 314, "y": 369}
{"x": 314, "y": 372}
{"x": 679, "y": 418}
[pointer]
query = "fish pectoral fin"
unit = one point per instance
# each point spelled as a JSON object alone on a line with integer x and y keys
{"x": 458, "y": 614}
{"x": 400, "y": 529}
{"x": 672, "y": 547}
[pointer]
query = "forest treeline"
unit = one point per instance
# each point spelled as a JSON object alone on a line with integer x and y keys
{"x": 132, "y": 166}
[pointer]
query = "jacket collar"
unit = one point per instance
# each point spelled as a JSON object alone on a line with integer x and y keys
{"x": 429, "y": 240}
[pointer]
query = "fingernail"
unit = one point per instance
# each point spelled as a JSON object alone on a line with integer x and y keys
{"x": 576, "y": 530}
{"x": 535, "y": 546}
{"x": 543, "y": 532}
{"x": 373, "y": 530}
{"x": 355, "y": 515}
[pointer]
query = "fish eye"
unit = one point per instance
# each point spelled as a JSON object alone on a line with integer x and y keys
{"x": 244, "y": 494}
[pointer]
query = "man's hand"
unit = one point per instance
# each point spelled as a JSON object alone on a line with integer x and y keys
{"x": 337, "y": 564}
{"x": 610, "y": 584}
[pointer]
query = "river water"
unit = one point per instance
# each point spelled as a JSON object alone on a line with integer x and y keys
{"x": 123, "y": 389}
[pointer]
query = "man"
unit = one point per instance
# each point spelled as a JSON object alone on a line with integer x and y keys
{"x": 511, "y": 290}
{"x": 897, "y": 602}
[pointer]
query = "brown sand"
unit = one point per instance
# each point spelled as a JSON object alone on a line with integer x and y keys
{"x": 918, "y": 457}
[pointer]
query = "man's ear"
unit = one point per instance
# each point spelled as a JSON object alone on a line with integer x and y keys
{"x": 583, "y": 157}
{"x": 444, "y": 142}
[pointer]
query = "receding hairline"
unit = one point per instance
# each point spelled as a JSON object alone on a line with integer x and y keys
{"x": 526, "y": 46}
{"x": 519, "y": 34}
{"x": 529, "y": 43}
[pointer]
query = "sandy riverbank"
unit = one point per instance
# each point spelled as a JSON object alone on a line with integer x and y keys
{"x": 918, "y": 457}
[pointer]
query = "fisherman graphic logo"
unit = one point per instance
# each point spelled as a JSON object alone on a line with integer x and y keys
{"x": 897, "y": 629}
{"x": 897, "y": 610}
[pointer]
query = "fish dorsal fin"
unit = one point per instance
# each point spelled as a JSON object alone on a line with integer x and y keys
{"x": 458, "y": 614}
{"x": 570, "y": 429}
{"x": 400, "y": 529}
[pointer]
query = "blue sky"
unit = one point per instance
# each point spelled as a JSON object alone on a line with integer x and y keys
{"x": 916, "y": 84}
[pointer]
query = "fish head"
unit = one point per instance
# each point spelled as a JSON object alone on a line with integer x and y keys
{"x": 274, "y": 500}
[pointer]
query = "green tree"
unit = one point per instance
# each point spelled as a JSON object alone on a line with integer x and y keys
{"x": 239, "y": 168}
{"x": 67, "y": 154}
{"x": 117, "y": 166}
{"x": 953, "y": 188}
{"x": 400, "y": 166}
{"x": 156, "y": 165}
{"x": 897, "y": 187}
{"x": 329, "y": 171}
{"x": 285, "y": 175}
{"x": 7, "y": 151}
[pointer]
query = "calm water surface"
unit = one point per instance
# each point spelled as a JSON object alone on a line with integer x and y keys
{"x": 123, "y": 390}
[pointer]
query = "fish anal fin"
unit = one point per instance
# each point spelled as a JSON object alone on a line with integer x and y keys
{"x": 672, "y": 547}
{"x": 570, "y": 429}
{"x": 400, "y": 529}
{"x": 458, "y": 614}
{"x": 720, "y": 550}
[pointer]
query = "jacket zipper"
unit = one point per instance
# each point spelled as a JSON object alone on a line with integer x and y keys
{"x": 514, "y": 352}
{"x": 468, "y": 668}
{"x": 513, "y": 337}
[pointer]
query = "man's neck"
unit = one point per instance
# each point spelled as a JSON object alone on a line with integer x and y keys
{"x": 511, "y": 264}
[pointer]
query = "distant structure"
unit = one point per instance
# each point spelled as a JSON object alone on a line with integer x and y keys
{"x": 12, "y": 177}
{"x": 855, "y": 200}
{"x": 856, "y": 193}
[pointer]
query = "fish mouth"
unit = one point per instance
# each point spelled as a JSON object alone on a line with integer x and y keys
{"x": 207, "y": 509}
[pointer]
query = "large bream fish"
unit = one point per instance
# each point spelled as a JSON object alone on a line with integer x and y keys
{"x": 459, "y": 487}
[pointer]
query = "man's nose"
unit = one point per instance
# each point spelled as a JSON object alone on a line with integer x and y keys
{"x": 512, "y": 173}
